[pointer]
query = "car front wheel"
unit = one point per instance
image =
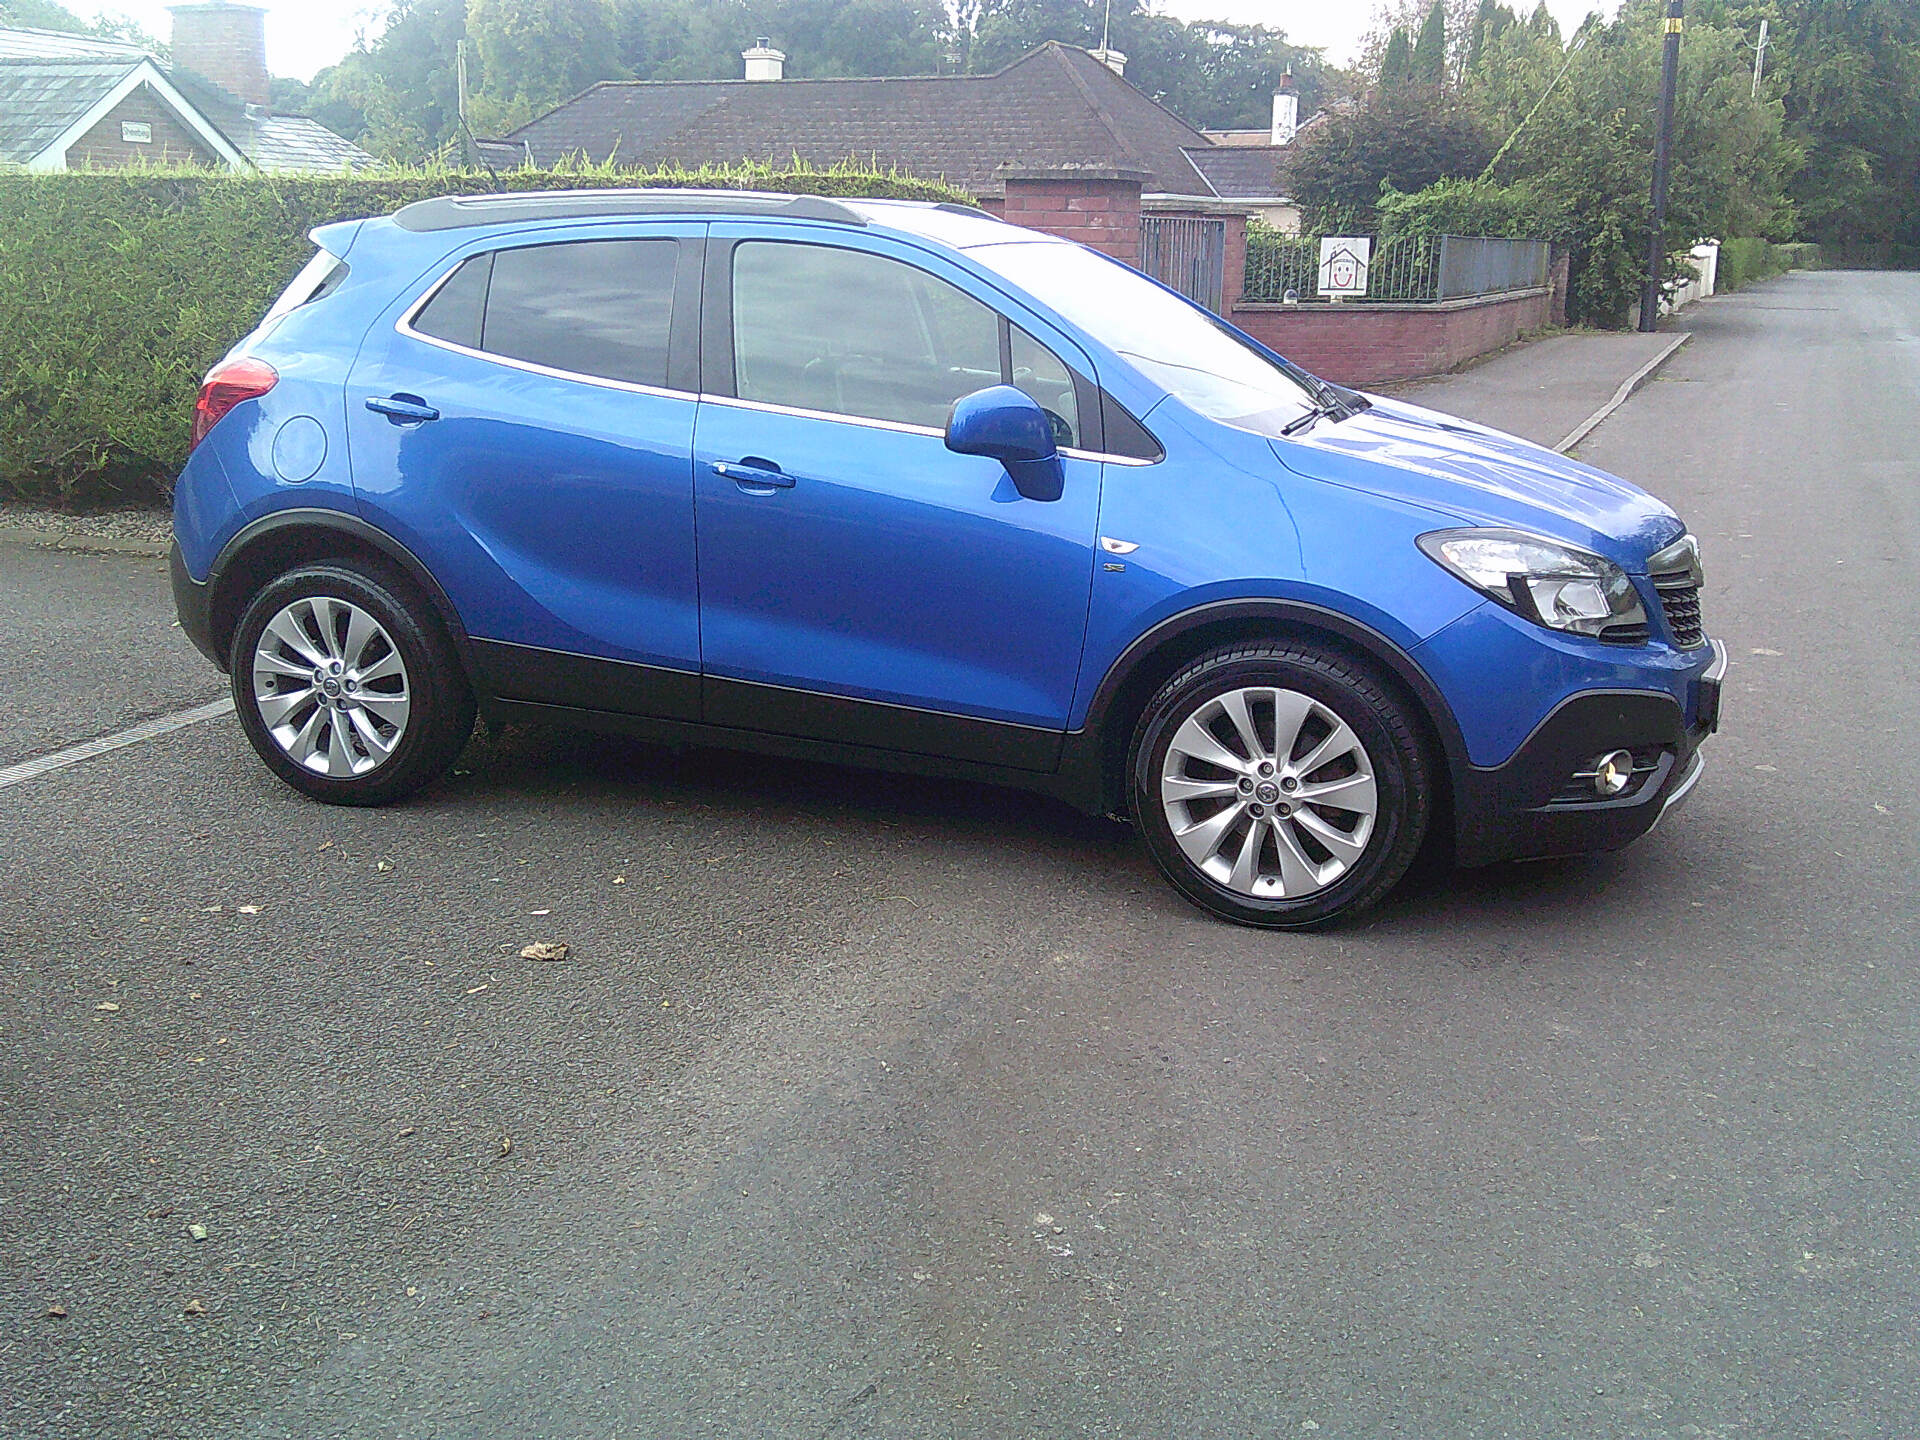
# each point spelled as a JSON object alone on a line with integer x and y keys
{"x": 1279, "y": 786}
{"x": 349, "y": 692}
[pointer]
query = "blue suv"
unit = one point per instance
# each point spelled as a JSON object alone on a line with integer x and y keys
{"x": 900, "y": 485}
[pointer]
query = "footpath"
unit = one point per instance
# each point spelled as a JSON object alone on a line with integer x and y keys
{"x": 1552, "y": 391}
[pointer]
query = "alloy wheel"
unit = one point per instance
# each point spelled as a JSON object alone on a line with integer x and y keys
{"x": 1269, "y": 793}
{"x": 331, "y": 687}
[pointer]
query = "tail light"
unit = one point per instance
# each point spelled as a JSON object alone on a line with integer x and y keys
{"x": 226, "y": 386}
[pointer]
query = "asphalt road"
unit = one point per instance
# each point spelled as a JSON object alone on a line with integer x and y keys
{"x": 867, "y": 1107}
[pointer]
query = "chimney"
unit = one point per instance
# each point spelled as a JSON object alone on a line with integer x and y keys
{"x": 1112, "y": 59}
{"x": 763, "y": 61}
{"x": 226, "y": 44}
{"x": 1286, "y": 110}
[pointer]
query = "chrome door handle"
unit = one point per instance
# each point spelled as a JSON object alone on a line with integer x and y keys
{"x": 403, "y": 409}
{"x": 754, "y": 476}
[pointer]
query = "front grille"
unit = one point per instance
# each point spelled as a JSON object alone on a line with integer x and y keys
{"x": 1679, "y": 593}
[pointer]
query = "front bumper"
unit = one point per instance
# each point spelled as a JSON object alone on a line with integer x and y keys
{"x": 1536, "y": 805}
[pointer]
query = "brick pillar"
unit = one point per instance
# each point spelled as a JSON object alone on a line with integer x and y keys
{"x": 1099, "y": 206}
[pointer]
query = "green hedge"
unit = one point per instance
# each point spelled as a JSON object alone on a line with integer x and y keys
{"x": 1747, "y": 259}
{"x": 119, "y": 290}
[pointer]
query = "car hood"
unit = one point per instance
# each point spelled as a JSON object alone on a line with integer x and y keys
{"x": 1483, "y": 477}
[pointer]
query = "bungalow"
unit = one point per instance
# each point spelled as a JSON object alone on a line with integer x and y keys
{"x": 75, "y": 102}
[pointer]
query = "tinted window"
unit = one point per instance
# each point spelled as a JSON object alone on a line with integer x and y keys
{"x": 1039, "y": 372}
{"x": 594, "y": 307}
{"x": 454, "y": 312}
{"x": 854, "y": 334}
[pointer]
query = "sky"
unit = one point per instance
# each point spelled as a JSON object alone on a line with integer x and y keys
{"x": 307, "y": 35}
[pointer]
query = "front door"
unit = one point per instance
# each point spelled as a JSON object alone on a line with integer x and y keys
{"x": 529, "y": 431}
{"x": 860, "y": 582}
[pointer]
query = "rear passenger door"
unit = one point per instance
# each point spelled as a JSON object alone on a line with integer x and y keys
{"x": 524, "y": 421}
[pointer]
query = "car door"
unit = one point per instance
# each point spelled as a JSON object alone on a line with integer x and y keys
{"x": 859, "y": 581}
{"x": 526, "y": 425}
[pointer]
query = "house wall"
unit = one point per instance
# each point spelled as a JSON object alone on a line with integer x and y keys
{"x": 101, "y": 148}
{"x": 1361, "y": 344}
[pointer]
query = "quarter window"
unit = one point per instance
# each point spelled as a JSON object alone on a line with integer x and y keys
{"x": 849, "y": 333}
{"x": 1039, "y": 372}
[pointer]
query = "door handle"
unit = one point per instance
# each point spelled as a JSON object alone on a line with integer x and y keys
{"x": 403, "y": 409}
{"x": 754, "y": 474}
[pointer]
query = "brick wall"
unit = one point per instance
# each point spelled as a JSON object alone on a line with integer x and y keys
{"x": 101, "y": 148}
{"x": 1360, "y": 344}
{"x": 1099, "y": 208}
{"x": 225, "y": 43}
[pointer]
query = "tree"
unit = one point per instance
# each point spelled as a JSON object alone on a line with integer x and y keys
{"x": 1430, "y": 50}
{"x": 535, "y": 53}
{"x": 1396, "y": 66}
{"x": 1399, "y": 138}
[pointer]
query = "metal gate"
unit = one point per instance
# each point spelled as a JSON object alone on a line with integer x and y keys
{"x": 1188, "y": 253}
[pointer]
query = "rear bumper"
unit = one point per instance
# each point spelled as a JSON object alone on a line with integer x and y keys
{"x": 192, "y": 601}
{"x": 1535, "y": 806}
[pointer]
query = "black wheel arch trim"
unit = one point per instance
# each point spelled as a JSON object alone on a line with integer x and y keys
{"x": 352, "y": 526}
{"x": 1369, "y": 642}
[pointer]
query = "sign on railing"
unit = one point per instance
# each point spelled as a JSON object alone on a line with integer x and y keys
{"x": 1343, "y": 265}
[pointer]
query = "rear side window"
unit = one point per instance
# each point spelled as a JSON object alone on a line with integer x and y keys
{"x": 591, "y": 307}
{"x": 848, "y": 333}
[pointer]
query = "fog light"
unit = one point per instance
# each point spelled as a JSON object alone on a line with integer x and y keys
{"x": 1612, "y": 772}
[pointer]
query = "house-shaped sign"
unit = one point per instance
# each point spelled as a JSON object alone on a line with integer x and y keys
{"x": 1343, "y": 264}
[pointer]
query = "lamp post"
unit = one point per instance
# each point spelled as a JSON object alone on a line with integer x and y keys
{"x": 1662, "y": 155}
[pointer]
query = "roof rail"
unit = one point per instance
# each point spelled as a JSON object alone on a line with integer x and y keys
{"x": 458, "y": 212}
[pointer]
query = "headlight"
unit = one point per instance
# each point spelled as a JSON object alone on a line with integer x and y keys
{"x": 1549, "y": 583}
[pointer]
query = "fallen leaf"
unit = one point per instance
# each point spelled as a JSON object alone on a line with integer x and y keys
{"x": 106, "y": 1005}
{"x": 1762, "y": 650}
{"x": 198, "y": 1232}
{"x": 56, "y": 1312}
{"x": 545, "y": 950}
{"x": 475, "y": 989}
{"x": 383, "y": 865}
{"x": 193, "y": 1307}
{"x": 506, "y": 1144}
{"x": 619, "y": 879}
{"x": 405, "y": 1131}
{"x": 1883, "y": 809}
{"x": 1042, "y": 1219}
{"x": 540, "y": 912}
{"x": 161, "y": 1213}
{"x": 324, "y": 845}
{"x": 413, "y": 1290}
{"x": 211, "y": 909}
{"x": 249, "y": 909}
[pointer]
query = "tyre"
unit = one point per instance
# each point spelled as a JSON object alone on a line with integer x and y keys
{"x": 347, "y": 684}
{"x": 1279, "y": 786}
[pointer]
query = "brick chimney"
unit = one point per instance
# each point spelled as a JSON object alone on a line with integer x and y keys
{"x": 226, "y": 44}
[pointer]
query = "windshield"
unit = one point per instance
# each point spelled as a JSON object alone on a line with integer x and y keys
{"x": 1169, "y": 341}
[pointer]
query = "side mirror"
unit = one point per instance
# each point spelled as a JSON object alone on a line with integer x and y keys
{"x": 1007, "y": 425}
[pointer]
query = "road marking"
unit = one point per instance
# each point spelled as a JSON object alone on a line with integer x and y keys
{"x": 138, "y": 734}
{"x": 1632, "y": 383}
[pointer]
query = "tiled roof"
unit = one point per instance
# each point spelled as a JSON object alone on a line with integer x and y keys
{"x": 1055, "y": 105}
{"x": 40, "y": 99}
{"x": 49, "y": 79}
{"x": 1236, "y": 172}
{"x": 24, "y": 44}
{"x": 293, "y": 142}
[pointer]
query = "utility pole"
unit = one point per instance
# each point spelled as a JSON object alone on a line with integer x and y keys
{"x": 1662, "y": 156}
{"x": 1759, "y": 59}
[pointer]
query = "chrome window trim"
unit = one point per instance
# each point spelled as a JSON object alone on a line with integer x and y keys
{"x": 404, "y": 326}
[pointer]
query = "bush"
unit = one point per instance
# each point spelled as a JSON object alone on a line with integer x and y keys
{"x": 1747, "y": 259}
{"x": 1473, "y": 207}
{"x": 119, "y": 290}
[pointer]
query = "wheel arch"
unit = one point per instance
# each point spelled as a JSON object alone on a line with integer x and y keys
{"x": 276, "y": 543}
{"x": 1156, "y": 656}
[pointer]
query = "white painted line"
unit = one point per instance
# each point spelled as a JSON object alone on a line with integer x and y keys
{"x": 144, "y": 731}
{"x": 1632, "y": 383}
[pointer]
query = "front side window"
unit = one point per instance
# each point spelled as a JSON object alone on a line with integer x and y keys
{"x": 848, "y": 333}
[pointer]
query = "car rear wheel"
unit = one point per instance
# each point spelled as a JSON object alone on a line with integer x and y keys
{"x": 346, "y": 686}
{"x": 1279, "y": 786}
